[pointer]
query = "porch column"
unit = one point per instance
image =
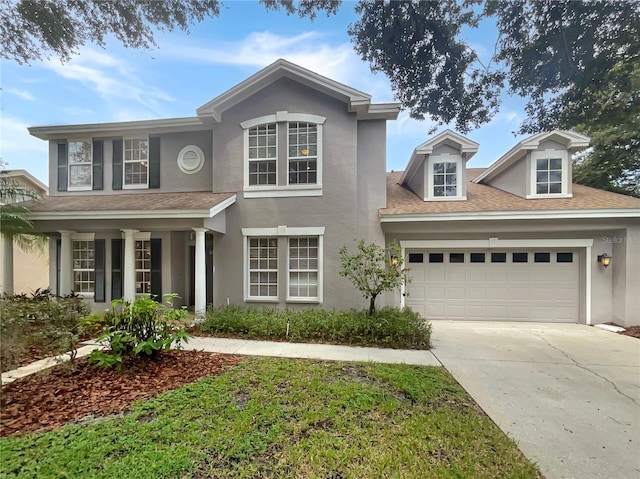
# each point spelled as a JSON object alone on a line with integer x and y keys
{"x": 66, "y": 262}
{"x": 7, "y": 265}
{"x": 129, "y": 265}
{"x": 201, "y": 274}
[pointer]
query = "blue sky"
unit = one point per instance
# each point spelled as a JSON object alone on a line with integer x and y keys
{"x": 186, "y": 71}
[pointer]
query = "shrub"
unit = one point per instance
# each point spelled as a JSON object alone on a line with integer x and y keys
{"x": 391, "y": 327}
{"x": 41, "y": 321}
{"x": 140, "y": 328}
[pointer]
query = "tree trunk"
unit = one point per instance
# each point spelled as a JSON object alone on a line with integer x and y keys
{"x": 372, "y": 305}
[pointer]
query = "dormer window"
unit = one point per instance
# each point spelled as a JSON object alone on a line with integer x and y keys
{"x": 549, "y": 174}
{"x": 444, "y": 178}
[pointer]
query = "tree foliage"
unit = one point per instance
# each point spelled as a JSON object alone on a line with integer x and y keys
{"x": 14, "y": 217}
{"x": 574, "y": 61}
{"x": 373, "y": 269}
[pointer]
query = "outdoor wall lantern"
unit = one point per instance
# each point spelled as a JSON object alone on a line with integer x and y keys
{"x": 604, "y": 259}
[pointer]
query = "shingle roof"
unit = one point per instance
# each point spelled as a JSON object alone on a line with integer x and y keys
{"x": 192, "y": 200}
{"x": 403, "y": 201}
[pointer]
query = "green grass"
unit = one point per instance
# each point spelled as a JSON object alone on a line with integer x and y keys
{"x": 390, "y": 327}
{"x": 285, "y": 418}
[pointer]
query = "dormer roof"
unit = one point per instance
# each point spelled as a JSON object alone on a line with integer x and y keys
{"x": 570, "y": 139}
{"x": 357, "y": 101}
{"x": 467, "y": 148}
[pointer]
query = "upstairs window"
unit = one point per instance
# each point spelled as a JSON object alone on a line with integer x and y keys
{"x": 445, "y": 179}
{"x": 272, "y": 171}
{"x": 80, "y": 165}
{"x": 303, "y": 153}
{"x": 548, "y": 176}
{"x": 263, "y": 154}
{"x": 136, "y": 163}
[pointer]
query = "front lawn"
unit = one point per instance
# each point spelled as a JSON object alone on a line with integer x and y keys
{"x": 284, "y": 418}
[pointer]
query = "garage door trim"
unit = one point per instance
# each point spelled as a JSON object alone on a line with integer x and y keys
{"x": 510, "y": 243}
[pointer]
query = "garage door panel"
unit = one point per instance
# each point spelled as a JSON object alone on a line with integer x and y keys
{"x": 497, "y": 291}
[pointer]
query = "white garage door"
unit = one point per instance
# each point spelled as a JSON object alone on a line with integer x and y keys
{"x": 524, "y": 285}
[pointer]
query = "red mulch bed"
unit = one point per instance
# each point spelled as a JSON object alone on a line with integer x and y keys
{"x": 54, "y": 397}
{"x": 633, "y": 331}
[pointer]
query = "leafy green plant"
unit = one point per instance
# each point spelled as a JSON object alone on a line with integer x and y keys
{"x": 41, "y": 322}
{"x": 142, "y": 327}
{"x": 373, "y": 269}
{"x": 388, "y": 327}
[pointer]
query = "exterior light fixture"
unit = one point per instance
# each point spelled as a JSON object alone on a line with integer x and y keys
{"x": 604, "y": 259}
{"x": 304, "y": 151}
{"x": 393, "y": 261}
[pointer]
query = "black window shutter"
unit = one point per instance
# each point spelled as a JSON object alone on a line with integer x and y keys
{"x": 154, "y": 162}
{"x": 58, "y": 253}
{"x": 99, "y": 293}
{"x": 62, "y": 167}
{"x": 117, "y": 164}
{"x": 116, "y": 269}
{"x": 98, "y": 162}
{"x": 156, "y": 269}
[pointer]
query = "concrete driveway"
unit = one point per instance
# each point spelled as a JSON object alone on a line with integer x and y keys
{"x": 569, "y": 394}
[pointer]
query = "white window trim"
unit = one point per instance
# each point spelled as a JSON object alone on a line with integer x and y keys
{"x": 310, "y": 299}
{"x": 79, "y": 188}
{"x": 145, "y": 237}
{"x": 543, "y": 154}
{"x": 283, "y": 231}
{"x": 198, "y": 151}
{"x": 318, "y": 183}
{"x": 247, "y": 295}
{"x": 247, "y": 186}
{"x": 286, "y": 190}
{"x": 84, "y": 237}
{"x": 429, "y": 183}
{"x": 136, "y": 186}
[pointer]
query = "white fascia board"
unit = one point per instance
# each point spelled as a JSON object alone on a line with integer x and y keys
{"x": 511, "y": 215}
{"x": 379, "y": 111}
{"x": 573, "y": 141}
{"x": 108, "y": 129}
{"x": 222, "y": 206}
{"x": 498, "y": 243}
{"x": 116, "y": 215}
{"x": 411, "y": 169}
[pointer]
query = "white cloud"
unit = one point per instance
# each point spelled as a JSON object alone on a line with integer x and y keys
{"x": 310, "y": 50}
{"x": 113, "y": 79}
{"x": 24, "y": 94}
{"x": 21, "y": 150}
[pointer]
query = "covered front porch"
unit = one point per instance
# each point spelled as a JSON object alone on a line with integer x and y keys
{"x": 111, "y": 247}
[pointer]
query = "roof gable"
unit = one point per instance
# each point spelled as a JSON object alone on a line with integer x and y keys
{"x": 356, "y": 100}
{"x": 467, "y": 148}
{"x": 570, "y": 139}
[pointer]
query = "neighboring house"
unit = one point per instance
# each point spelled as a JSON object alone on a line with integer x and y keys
{"x": 22, "y": 271}
{"x": 249, "y": 202}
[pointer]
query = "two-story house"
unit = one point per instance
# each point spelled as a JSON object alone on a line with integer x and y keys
{"x": 249, "y": 201}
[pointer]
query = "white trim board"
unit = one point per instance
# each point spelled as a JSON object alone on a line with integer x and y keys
{"x": 510, "y": 215}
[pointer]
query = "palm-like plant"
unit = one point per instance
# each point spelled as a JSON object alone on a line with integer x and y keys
{"x": 14, "y": 216}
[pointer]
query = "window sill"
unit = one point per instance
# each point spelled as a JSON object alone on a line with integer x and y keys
{"x": 282, "y": 191}
{"x": 304, "y": 300}
{"x": 261, "y": 300}
{"x": 549, "y": 196}
{"x": 135, "y": 187}
{"x": 445, "y": 198}
{"x": 86, "y": 295}
{"x": 79, "y": 188}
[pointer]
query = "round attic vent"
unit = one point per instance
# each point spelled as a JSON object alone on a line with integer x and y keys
{"x": 190, "y": 159}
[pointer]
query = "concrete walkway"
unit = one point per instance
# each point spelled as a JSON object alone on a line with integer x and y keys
{"x": 569, "y": 394}
{"x": 312, "y": 351}
{"x": 261, "y": 348}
